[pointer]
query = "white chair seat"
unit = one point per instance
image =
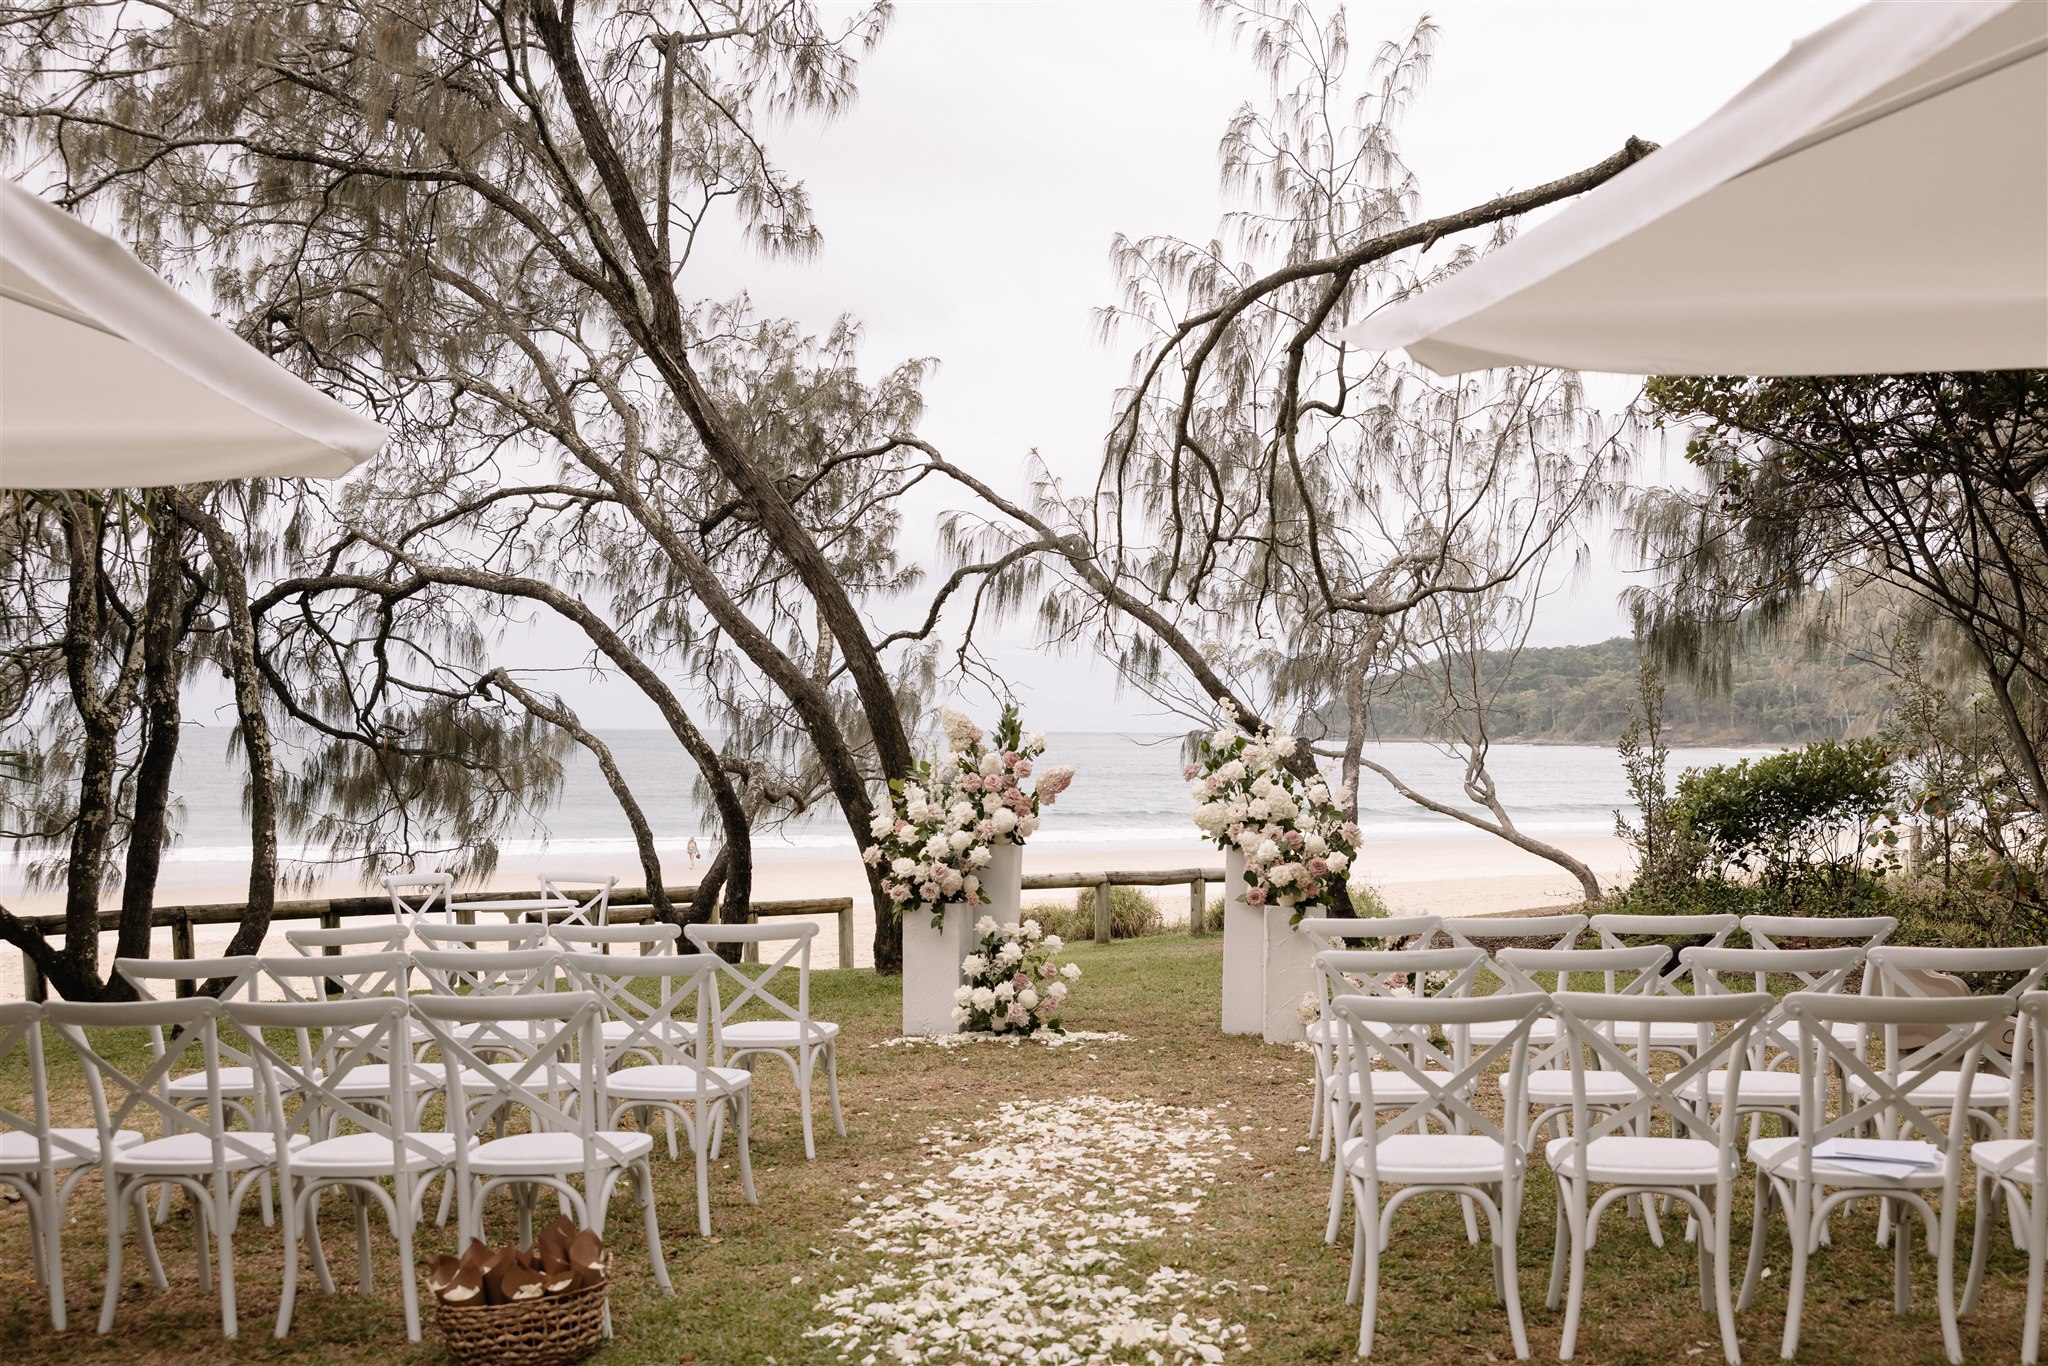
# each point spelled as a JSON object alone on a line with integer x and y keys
{"x": 1779, "y": 1157}
{"x": 1388, "y": 1088}
{"x": 553, "y": 1076}
{"x": 553, "y": 1154}
{"x": 674, "y": 1082}
{"x": 1485, "y": 1035}
{"x": 1553, "y": 1086}
{"x": 1411, "y": 1159}
{"x": 1323, "y": 1033}
{"x": 18, "y": 1150}
{"x": 1627, "y": 1159}
{"x": 234, "y": 1081}
{"x": 370, "y": 1155}
{"x": 373, "y": 1080}
{"x": 1751, "y": 1088}
{"x": 2013, "y": 1157}
{"x": 192, "y": 1154}
{"x": 1988, "y": 1090}
{"x": 618, "y": 1031}
{"x": 775, "y": 1034}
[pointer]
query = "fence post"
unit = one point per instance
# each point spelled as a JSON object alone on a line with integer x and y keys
{"x": 1198, "y": 907}
{"x": 330, "y": 919}
{"x": 1102, "y": 925}
{"x": 33, "y": 987}
{"x": 846, "y": 935}
{"x": 181, "y": 947}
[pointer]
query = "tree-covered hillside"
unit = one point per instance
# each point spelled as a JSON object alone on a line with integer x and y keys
{"x": 1582, "y": 694}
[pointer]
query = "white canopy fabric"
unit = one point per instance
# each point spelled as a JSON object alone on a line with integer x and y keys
{"x": 110, "y": 378}
{"x": 1875, "y": 203}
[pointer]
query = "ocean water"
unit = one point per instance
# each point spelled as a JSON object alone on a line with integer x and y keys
{"x": 1129, "y": 793}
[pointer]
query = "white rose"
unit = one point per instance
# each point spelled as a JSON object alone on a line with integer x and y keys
{"x": 1319, "y": 792}
{"x": 979, "y": 856}
{"x": 1260, "y": 808}
{"x": 1027, "y": 998}
{"x": 991, "y": 803}
{"x": 962, "y": 813}
{"x": 1004, "y": 820}
{"x": 984, "y": 999}
{"x": 1339, "y": 861}
{"x": 902, "y": 867}
{"x": 1004, "y": 992}
{"x": 1266, "y": 852}
{"x": 986, "y": 925}
{"x": 1053, "y": 943}
{"x": 1314, "y": 845}
{"x": 1035, "y": 740}
{"x": 959, "y": 1015}
{"x": 881, "y": 825}
{"x": 991, "y": 764}
{"x": 1028, "y": 826}
{"x": 970, "y": 883}
{"x": 974, "y": 965}
{"x": 1283, "y": 745}
{"x": 1072, "y": 972}
{"x": 959, "y": 840}
{"x": 963, "y": 995}
{"x": 1031, "y": 929}
{"x": 938, "y": 846}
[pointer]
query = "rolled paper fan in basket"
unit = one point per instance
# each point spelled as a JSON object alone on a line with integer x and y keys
{"x": 539, "y": 1306}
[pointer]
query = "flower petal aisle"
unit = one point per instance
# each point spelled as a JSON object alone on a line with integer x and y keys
{"x": 1012, "y": 1246}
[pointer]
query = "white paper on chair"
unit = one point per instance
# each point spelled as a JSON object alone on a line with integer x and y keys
{"x": 1879, "y": 1156}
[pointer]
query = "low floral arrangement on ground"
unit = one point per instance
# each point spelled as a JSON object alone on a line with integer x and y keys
{"x": 1013, "y": 985}
{"x": 1296, "y": 840}
{"x": 935, "y": 839}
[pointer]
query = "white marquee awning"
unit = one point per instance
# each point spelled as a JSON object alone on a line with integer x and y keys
{"x": 1875, "y": 203}
{"x": 110, "y": 378}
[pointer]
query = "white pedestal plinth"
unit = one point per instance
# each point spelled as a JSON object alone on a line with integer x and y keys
{"x": 1002, "y": 882}
{"x": 1290, "y": 974}
{"x": 931, "y": 969}
{"x": 1244, "y": 954}
{"x": 1267, "y": 966}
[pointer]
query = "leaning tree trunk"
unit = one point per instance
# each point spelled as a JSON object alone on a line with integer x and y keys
{"x": 257, "y": 751}
{"x": 163, "y": 624}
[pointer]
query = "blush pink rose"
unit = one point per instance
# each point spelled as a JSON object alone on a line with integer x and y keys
{"x": 1255, "y": 896}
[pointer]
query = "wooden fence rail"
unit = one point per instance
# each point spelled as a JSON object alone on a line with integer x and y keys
{"x": 629, "y": 906}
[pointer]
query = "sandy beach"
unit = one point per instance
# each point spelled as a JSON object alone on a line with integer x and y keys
{"x": 1453, "y": 872}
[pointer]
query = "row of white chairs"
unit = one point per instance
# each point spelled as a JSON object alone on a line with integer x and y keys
{"x": 579, "y": 899}
{"x": 1606, "y": 1094}
{"x": 336, "y": 1101}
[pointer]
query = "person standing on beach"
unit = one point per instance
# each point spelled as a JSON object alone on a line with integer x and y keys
{"x": 693, "y": 851}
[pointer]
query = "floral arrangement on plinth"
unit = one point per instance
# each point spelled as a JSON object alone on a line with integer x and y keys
{"x": 935, "y": 839}
{"x": 1296, "y": 839}
{"x": 1013, "y": 986}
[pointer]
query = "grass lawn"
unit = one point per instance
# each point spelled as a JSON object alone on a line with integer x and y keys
{"x": 750, "y": 1293}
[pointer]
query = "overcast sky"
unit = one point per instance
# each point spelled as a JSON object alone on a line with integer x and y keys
{"x": 969, "y": 198}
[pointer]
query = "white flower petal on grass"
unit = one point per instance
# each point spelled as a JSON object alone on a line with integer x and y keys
{"x": 1070, "y": 1188}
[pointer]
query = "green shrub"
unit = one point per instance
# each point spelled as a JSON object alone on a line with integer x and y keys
{"x": 1365, "y": 900}
{"x": 1787, "y": 818}
{"x": 1132, "y": 915}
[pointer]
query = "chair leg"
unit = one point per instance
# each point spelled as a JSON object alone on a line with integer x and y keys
{"x": 1337, "y": 1189}
{"x": 117, "y": 1206}
{"x": 743, "y": 1122}
{"x": 1798, "y": 1211}
{"x": 803, "y": 1102}
{"x": 1509, "y": 1261}
{"x": 651, "y": 1221}
{"x": 832, "y": 1085}
{"x": 365, "y": 1272}
{"x": 1989, "y": 1194}
{"x": 224, "y": 1239}
{"x": 700, "y": 1133}
{"x": 297, "y": 1202}
{"x": 323, "y": 1275}
{"x": 1575, "y": 1294}
{"x": 2037, "y": 1272}
{"x": 1759, "y": 1229}
{"x": 1724, "y": 1255}
{"x": 408, "y": 1276}
{"x": 46, "y": 1234}
{"x": 1559, "y": 1246}
{"x": 1902, "y": 1266}
{"x": 1355, "y": 1282}
{"x": 1945, "y": 1281}
{"x": 1367, "y": 1196}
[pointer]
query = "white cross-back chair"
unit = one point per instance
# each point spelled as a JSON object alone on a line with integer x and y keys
{"x": 1898, "y": 973}
{"x": 1563, "y": 928}
{"x": 1393, "y": 974}
{"x": 382, "y": 936}
{"x": 350, "y": 1039}
{"x": 555, "y": 1030}
{"x": 159, "y": 978}
{"x": 45, "y": 1163}
{"x": 1324, "y": 934}
{"x": 1770, "y": 1076}
{"x": 1549, "y": 1087}
{"x": 1819, "y": 931}
{"x": 1618, "y": 931}
{"x": 1482, "y": 1162}
{"x": 419, "y": 898}
{"x": 582, "y": 899}
{"x": 215, "y": 1165}
{"x": 1809, "y": 1187}
{"x": 2014, "y": 1172}
{"x": 354, "y": 977}
{"x": 499, "y": 938}
{"x": 653, "y": 937}
{"x": 792, "y": 1035}
{"x": 1694, "y": 1165}
{"x": 661, "y": 1007}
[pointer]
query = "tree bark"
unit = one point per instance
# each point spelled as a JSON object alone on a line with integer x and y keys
{"x": 162, "y": 626}
{"x": 1501, "y": 826}
{"x": 226, "y": 554}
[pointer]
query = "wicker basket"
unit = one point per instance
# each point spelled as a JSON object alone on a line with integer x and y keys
{"x": 550, "y": 1331}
